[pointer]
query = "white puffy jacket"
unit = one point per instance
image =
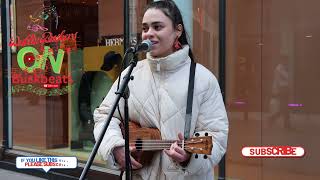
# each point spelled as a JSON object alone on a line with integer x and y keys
{"x": 158, "y": 98}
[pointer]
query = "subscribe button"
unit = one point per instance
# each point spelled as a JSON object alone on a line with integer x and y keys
{"x": 46, "y": 162}
{"x": 273, "y": 151}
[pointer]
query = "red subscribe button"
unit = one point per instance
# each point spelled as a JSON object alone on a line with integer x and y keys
{"x": 273, "y": 151}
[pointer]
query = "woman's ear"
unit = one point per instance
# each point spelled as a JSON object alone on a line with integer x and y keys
{"x": 179, "y": 30}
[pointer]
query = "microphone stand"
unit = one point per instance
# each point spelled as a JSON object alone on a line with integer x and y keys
{"x": 123, "y": 91}
{"x": 126, "y": 116}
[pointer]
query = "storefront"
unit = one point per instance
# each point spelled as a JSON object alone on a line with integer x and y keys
{"x": 65, "y": 54}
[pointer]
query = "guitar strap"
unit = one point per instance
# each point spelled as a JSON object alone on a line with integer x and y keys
{"x": 189, "y": 101}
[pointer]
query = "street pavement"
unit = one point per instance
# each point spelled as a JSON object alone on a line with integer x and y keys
{"x": 11, "y": 175}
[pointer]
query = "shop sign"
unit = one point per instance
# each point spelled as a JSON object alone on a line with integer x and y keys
{"x": 35, "y": 66}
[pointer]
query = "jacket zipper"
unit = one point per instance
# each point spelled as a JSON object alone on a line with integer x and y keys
{"x": 159, "y": 85}
{"x": 158, "y": 65}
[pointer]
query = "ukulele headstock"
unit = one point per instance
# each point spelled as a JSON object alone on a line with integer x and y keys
{"x": 199, "y": 145}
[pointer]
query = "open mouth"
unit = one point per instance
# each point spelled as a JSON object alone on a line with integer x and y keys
{"x": 154, "y": 42}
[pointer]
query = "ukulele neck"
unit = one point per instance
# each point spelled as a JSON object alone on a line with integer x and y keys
{"x": 156, "y": 145}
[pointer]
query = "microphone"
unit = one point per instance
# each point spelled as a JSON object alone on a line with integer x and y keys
{"x": 145, "y": 46}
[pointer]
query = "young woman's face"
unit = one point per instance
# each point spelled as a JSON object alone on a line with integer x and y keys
{"x": 157, "y": 27}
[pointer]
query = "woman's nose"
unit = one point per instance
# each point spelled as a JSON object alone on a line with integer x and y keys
{"x": 149, "y": 34}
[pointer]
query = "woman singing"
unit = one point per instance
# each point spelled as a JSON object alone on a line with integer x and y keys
{"x": 158, "y": 99}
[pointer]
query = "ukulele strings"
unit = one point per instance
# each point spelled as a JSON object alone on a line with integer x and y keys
{"x": 158, "y": 143}
{"x": 157, "y": 146}
{"x": 165, "y": 147}
{"x": 162, "y": 143}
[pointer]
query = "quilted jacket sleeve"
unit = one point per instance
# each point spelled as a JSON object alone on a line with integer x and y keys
{"x": 212, "y": 119}
{"x": 113, "y": 136}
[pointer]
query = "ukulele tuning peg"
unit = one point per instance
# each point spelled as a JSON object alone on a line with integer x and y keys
{"x": 197, "y": 134}
{"x": 206, "y": 134}
{"x": 205, "y": 157}
{"x": 196, "y": 156}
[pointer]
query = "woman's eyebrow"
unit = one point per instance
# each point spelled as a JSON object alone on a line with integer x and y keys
{"x": 153, "y": 23}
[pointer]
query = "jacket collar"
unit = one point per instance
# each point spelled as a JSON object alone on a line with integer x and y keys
{"x": 170, "y": 62}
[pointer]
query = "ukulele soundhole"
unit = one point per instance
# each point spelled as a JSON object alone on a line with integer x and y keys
{"x": 139, "y": 144}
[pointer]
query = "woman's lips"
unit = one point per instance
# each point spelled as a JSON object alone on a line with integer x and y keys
{"x": 154, "y": 42}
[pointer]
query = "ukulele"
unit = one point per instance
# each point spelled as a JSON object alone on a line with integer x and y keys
{"x": 148, "y": 140}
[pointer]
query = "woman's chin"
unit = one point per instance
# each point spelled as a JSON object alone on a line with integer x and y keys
{"x": 154, "y": 53}
{"x": 157, "y": 53}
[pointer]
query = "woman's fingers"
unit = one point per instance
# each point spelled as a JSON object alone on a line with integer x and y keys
{"x": 135, "y": 164}
{"x": 175, "y": 153}
{"x": 132, "y": 149}
{"x": 120, "y": 156}
{"x": 180, "y": 136}
{"x": 179, "y": 150}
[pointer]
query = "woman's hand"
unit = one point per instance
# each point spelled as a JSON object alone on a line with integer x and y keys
{"x": 177, "y": 153}
{"x": 119, "y": 154}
